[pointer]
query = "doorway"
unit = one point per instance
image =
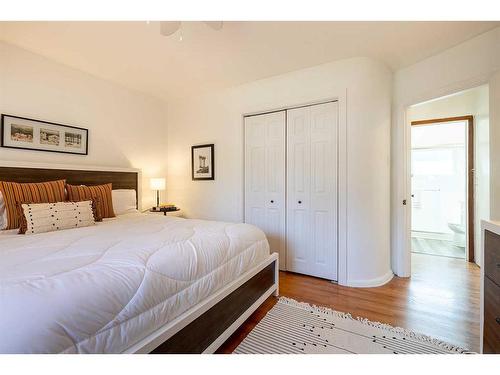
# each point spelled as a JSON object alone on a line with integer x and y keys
{"x": 442, "y": 187}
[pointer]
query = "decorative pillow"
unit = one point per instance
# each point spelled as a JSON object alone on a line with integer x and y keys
{"x": 95, "y": 207}
{"x": 41, "y": 192}
{"x": 124, "y": 201}
{"x": 3, "y": 213}
{"x": 102, "y": 192}
{"x": 49, "y": 217}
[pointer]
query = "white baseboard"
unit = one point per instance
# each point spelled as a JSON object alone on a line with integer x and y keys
{"x": 370, "y": 283}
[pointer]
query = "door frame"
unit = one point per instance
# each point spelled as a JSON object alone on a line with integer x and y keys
{"x": 470, "y": 176}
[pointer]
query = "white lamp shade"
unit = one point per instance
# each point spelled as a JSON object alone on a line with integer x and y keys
{"x": 157, "y": 184}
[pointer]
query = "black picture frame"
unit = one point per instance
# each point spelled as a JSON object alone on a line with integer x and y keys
{"x": 65, "y": 150}
{"x": 211, "y": 146}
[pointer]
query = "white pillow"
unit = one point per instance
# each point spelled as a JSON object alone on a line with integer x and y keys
{"x": 3, "y": 213}
{"x": 124, "y": 201}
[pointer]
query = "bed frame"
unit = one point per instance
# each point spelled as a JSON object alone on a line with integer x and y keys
{"x": 205, "y": 326}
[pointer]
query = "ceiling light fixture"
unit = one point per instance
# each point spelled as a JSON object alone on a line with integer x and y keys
{"x": 168, "y": 28}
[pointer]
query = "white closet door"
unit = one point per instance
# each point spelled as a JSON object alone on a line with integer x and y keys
{"x": 312, "y": 190}
{"x": 265, "y": 178}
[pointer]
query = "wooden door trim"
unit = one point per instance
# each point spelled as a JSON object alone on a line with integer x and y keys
{"x": 470, "y": 173}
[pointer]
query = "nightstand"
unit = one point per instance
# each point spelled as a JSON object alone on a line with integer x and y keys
{"x": 177, "y": 213}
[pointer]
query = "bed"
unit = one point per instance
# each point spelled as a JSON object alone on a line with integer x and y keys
{"x": 138, "y": 283}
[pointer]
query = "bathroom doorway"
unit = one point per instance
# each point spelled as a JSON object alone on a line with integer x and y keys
{"x": 442, "y": 187}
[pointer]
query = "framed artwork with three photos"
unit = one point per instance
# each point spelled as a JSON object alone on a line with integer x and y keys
{"x": 30, "y": 134}
{"x": 203, "y": 162}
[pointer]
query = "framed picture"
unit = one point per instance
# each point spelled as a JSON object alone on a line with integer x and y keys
{"x": 202, "y": 162}
{"x": 30, "y": 134}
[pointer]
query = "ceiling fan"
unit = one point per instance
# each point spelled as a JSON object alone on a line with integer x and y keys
{"x": 168, "y": 28}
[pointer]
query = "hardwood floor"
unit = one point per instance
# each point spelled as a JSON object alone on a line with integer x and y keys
{"x": 441, "y": 299}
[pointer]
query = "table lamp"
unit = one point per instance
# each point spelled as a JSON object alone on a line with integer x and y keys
{"x": 157, "y": 184}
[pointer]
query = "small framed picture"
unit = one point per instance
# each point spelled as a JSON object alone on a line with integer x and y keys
{"x": 30, "y": 134}
{"x": 202, "y": 162}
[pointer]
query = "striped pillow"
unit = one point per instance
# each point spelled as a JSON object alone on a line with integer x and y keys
{"x": 101, "y": 192}
{"x": 49, "y": 217}
{"x": 40, "y": 192}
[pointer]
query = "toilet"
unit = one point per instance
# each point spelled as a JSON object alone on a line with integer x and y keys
{"x": 458, "y": 234}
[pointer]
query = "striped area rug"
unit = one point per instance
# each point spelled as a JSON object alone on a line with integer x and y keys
{"x": 299, "y": 328}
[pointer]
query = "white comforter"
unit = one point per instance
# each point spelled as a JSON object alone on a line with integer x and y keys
{"x": 103, "y": 288}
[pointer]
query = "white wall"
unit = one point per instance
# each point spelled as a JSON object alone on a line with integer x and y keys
{"x": 470, "y": 102}
{"x": 467, "y": 65}
{"x": 126, "y": 128}
{"x": 495, "y": 146}
{"x": 216, "y": 117}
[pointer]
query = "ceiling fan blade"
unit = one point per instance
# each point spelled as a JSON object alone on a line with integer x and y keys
{"x": 216, "y": 25}
{"x": 168, "y": 28}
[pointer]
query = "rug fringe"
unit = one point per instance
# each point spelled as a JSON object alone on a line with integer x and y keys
{"x": 402, "y": 331}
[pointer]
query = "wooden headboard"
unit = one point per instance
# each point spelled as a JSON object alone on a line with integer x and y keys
{"x": 120, "y": 180}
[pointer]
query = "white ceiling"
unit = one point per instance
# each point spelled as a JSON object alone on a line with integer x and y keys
{"x": 135, "y": 55}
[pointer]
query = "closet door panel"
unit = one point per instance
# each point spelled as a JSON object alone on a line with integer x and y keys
{"x": 257, "y": 179}
{"x": 312, "y": 190}
{"x": 323, "y": 197}
{"x": 256, "y": 216}
{"x": 275, "y": 184}
{"x": 265, "y": 178}
{"x": 298, "y": 241}
{"x": 298, "y": 186}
